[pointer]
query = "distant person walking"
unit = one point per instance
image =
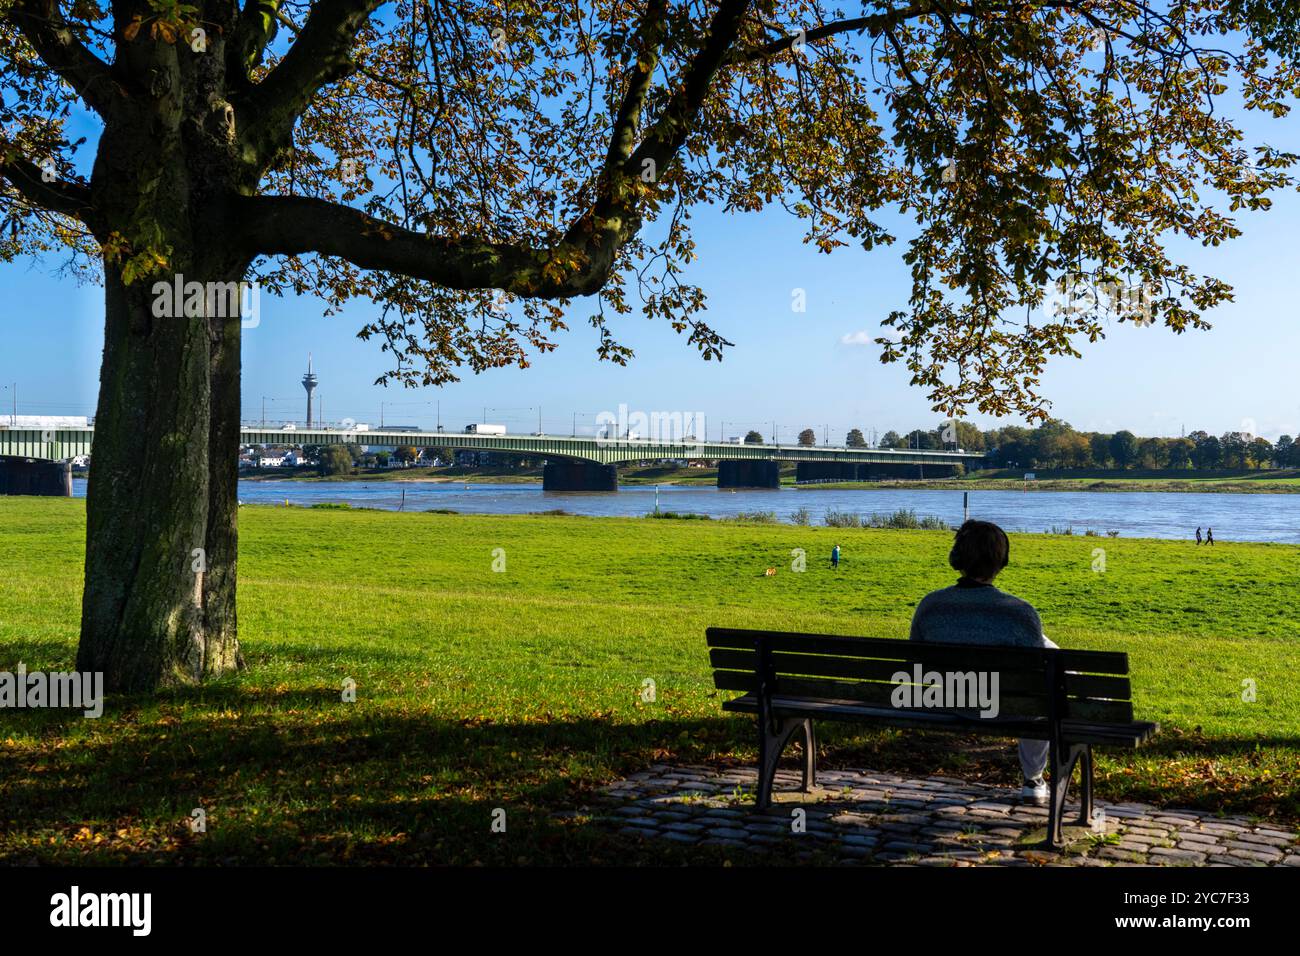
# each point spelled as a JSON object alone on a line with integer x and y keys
{"x": 1209, "y": 536}
{"x": 1198, "y": 537}
{"x": 835, "y": 556}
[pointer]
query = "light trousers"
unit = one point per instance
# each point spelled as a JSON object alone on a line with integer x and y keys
{"x": 1034, "y": 753}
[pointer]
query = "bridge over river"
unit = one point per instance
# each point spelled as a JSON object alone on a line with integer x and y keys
{"x": 36, "y": 461}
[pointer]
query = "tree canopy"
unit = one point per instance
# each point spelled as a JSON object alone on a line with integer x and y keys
{"x": 471, "y": 168}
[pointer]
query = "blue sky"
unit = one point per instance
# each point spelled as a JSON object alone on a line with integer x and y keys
{"x": 794, "y": 369}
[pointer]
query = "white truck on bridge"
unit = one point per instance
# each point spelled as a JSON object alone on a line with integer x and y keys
{"x": 479, "y": 429}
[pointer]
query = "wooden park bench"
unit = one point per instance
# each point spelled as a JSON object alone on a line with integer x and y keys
{"x": 1075, "y": 699}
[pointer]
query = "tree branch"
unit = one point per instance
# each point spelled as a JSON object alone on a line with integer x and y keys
{"x": 613, "y": 218}
{"x": 648, "y": 38}
{"x": 256, "y": 29}
{"x": 62, "y": 196}
{"x": 669, "y": 132}
{"x": 873, "y": 24}
{"x": 43, "y": 26}
{"x": 319, "y": 56}
{"x": 579, "y": 264}
{"x": 878, "y": 23}
{"x": 298, "y": 225}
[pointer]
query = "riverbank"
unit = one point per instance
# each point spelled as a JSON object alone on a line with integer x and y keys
{"x": 633, "y": 476}
{"x": 1243, "y": 486}
{"x": 443, "y": 475}
{"x": 524, "y": 688}
{"x": 1249, "y": 482}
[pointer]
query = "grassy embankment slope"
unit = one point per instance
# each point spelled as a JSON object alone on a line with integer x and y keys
{"x": 521, "y": 689}
{"x": 1239, "y": 482}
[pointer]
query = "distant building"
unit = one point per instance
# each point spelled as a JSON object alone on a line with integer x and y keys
{"x": 475, "y": 459}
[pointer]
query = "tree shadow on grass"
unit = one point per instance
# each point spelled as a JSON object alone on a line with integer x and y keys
{"x": 316, "y": 786}
{"x": 1176, "y": 743}
{"x": 313, "y": 780}
{"x": 172, "y": 704}
{"x": 37, "y": 653}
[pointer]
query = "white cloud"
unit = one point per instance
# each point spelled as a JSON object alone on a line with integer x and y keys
{"x": 857, "y": 338}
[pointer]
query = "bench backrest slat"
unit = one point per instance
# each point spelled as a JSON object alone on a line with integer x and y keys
{"x": 1098, "y": 685}
{"x": 1092, "y": 662}
{"x": 1031, "y": 682}
{"x": 869, "y": 693}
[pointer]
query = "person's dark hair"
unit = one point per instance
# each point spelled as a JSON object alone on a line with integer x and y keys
{"x": 980, "y": 550}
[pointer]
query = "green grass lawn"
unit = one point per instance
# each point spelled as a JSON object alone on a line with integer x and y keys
{"x": 521, "y": 690}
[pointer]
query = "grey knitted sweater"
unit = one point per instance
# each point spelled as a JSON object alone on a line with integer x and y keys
{"x": 970, "y": 613}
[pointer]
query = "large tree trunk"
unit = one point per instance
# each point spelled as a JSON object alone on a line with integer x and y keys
{"x": 159, "y": 603}
{"x": 159, "y": 600}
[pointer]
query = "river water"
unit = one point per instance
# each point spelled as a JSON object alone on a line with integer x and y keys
{"x": 1234, "y": 517}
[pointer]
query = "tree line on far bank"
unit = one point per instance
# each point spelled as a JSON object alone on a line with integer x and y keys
{"x": 1055, "y": 444}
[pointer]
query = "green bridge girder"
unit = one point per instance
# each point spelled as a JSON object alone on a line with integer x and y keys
{"x": 52, "y": 444}
{"x": 58, "y": 444}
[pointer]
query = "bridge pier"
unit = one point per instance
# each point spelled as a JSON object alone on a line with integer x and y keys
{"x": 571, "y": 475}
{"x": 749, "y": 474}
{"x": 30, "y": 476}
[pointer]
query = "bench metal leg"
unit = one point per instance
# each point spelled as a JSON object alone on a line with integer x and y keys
{"x": 770, "y": 745}
{"x": 1085, "y": 787}
{"x": 1062, "y": 769}
{"x": 809, "y": 757}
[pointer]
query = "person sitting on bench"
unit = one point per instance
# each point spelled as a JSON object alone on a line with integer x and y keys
{"x": 973, "y": 611}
